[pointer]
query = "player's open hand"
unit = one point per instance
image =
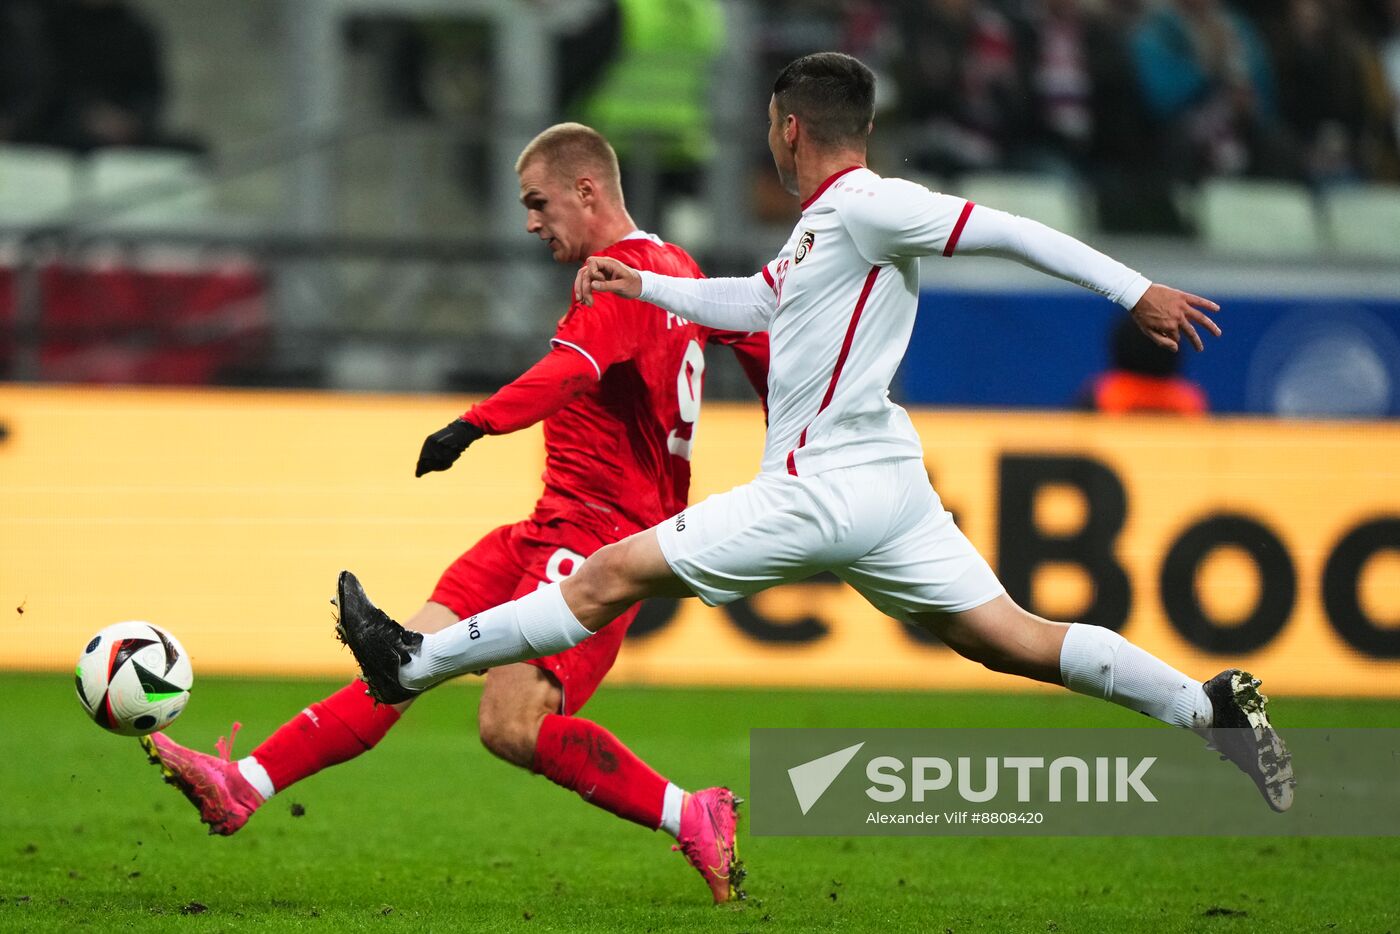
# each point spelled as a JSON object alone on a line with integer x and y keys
{"x": 1164, "y": 314}
{"x": 604, "y": 274}
{"x": 442, "y": 448}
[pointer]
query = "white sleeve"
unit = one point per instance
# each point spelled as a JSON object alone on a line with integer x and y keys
{"x": 899, "y": 220}
{"x": 726, "y": 304}
{"x": 990, "y": 232}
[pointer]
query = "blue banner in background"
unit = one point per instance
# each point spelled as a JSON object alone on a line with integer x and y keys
{"x": 1306, "y": 356}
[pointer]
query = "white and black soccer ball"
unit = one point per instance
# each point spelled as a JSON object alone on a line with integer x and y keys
{"x": 134, "y": 678}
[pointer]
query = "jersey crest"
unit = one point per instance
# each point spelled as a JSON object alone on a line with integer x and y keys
{"x": 804, "y": 246}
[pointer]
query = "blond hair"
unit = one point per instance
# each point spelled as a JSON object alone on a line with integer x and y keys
{"x": 572, "y": 150}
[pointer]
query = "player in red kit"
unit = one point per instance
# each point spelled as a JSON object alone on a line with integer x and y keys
{"x": 619, "y": 394}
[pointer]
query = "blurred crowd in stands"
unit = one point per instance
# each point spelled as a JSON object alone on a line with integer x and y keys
{"x": 81, "y": 74}
{"x": 1136, "y": 98}
{"x": 1170, "y": 112}
{"x": 1131, "y": 96}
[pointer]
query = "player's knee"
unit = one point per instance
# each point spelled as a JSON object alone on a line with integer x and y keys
{"x": 603, "y": 580}
{"x": 507, "y": 734}
{"x": 515, "y": 702}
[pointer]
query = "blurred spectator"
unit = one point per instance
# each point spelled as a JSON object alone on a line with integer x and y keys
{"x": 1208, "y": 85}
{"x": 399, "y": 46}
{"x": 1086, "y": 114}
{"x": 26, "y": 72}
{"x": 1322, "y": 92}
{"x": 1262, "y": 13}
{"x": 960, "y": 87}
{"x": 1058, "y": 44}
{"x": 653, "y": 98}
{"x": 1143, "y": 378}
{"x": 1085, "y": 107}
{"x": 1122, "y": 15}
{"x": 1390, "y": 67}
{"x": 110, "y": 76}
{"x": 583, "y": 54}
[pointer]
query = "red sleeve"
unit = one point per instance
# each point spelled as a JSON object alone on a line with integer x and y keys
{"x": 751, "y": 350}
{"x": 558, "y": 379}
{"x": 605, "y": 333}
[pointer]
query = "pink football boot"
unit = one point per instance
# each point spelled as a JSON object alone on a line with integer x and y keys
{"x": 213, "y": 784}
{"x": 708, "y": 842}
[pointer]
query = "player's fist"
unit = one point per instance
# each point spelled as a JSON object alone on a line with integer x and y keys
{"x": 604, "y": 274}
{"x": 442, "y": 448}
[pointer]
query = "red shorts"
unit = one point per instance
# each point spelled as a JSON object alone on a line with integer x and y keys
{"x": 512, "y": 561}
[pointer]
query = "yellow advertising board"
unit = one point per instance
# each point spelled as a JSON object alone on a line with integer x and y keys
{"x": 225, "y": 516}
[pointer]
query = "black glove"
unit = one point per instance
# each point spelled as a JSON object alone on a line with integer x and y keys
{"x": 442, "y": 448}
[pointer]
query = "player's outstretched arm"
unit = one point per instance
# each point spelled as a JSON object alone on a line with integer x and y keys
{"x": 1164, "y": 313}
{"x": 560, "y": 377}
{"x": 724, "y": 304}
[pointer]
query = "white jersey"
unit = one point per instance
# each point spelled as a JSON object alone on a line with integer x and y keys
{"x": 839, "y": 302}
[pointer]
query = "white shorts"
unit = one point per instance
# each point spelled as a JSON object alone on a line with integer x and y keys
{"x": 880, "y": 527}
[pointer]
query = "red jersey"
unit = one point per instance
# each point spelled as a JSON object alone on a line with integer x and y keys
{"x": 617, "y": 453}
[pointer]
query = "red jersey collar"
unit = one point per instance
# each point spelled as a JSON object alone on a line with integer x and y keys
{"x": 827, "y": 184}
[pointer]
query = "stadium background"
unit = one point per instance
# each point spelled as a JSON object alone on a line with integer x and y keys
{"x": 251, "y": 253}
{"x": 321, "y": 199}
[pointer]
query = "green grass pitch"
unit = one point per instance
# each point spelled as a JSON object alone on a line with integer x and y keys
{"x": 429, "y": 833}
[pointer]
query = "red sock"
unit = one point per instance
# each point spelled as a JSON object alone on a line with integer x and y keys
{"x": 332, "y": 731}
{"x": 581, "y": 755}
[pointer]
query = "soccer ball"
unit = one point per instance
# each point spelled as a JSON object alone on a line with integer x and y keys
{"x": 134, "y": 678}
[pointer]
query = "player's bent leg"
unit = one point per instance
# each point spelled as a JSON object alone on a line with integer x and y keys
{"x": 339, "y": 728}
{"x": 514, "y": 702}
{"x": 228, "y": 792}
{"x": 399, "y": 663}
{"x": 1088, "y": 660}
{"x": 519, "y": 722}
{"x": 1229, "y": 711}
{"x": 1002, "y": 636}
{"x": 618, "y": 575}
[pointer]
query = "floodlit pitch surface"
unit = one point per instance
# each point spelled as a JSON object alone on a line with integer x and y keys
{"x": 429, "y": 832}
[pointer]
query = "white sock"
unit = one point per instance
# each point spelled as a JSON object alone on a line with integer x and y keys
{"x": 1100, "y": 663}
{"x": 671, "y": 810}
{"x": 256, "y": 776}
{"x": 538, "y": 624}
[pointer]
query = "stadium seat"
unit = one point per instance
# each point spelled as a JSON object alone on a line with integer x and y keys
{"x": 1258, "y": 218}
{"x": 146, "y": 188}
{"x": 1056, "y": 202}
{"x": 36, "y": 184}
{"x": 1364, "y": 221}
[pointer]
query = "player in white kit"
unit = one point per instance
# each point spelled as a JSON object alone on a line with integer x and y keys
{"x": 842, "y": 486}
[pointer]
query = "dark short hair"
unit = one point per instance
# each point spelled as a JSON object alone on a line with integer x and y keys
{"x": 831, "y": 93}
